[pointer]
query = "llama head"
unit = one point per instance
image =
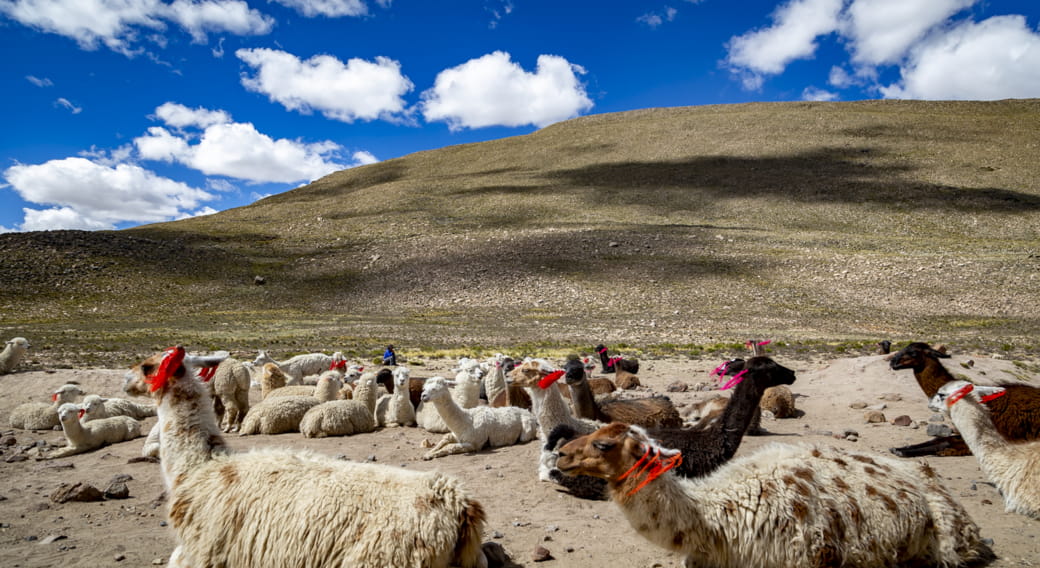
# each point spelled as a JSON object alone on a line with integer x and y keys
{"x": 401, "y": 377}
{"x": 18, "y": 343}
{"x": 768, "y": 373}
{"x": 93, "y": 405}
{"x": 915, "y": 356}
{"x": 614, "y": 452}
{"x": 953, "y": 391}
{"x": 530, "y": 372}
{"x": 272, "y": 374}
{"x": 69, "y": 412}
{"x": 66, "y": 393}
{"x": 434, "y": 388}
{"x": 159, "y": 373}
{"x": 262, "y": 357}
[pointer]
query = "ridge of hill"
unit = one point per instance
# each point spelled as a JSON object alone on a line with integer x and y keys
{"x": 673, "y": 228}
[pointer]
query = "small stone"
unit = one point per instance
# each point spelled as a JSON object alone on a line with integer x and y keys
{"x": 552, "y": 528}
{"x": 16, "y": 458}
{"x": 143, "y": 459}
{"x": 158, "y": 562}
{"x": 371, "y": 458}
{"x": 880, "y": 406}
{"x": 850, "y": 432}
{"x": 119, "y": 557}
{"x": 569, "y": 549}
{"x": 121, "y": 478}
{"x": 541, "y": 554}
{"x": 677, "y": 386}
{"x": 858, "y": 405}
{"x": 53, "y": 538}
{"x": 32, "y": 538}
{"x": 903, "y": 420}
{"x": 117, "y": 490}
{"x": 874, "y": 417}
{"x": 162, "y": 523}
{"x": 852, "y": 438}
{"x": 937, "y": 417}
{"x": 613, "y": 244}
{"x": 497, "y": 535}
{"x": 891, "y": 397}
{"x": 80, "y": 492}
{"x": 57, "y": 466}
{"x": 8, "y": 441}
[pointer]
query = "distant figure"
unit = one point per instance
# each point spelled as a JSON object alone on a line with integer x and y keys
{"x": 390, "y": 356}
{"x": 884, "y": 347}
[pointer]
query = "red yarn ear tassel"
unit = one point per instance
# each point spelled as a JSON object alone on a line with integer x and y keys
{"x": 990, "y": 397}
{"x": 959, "y": 394}
{"x": 549, "y": 379}
{"x": 206, "y": 373}
{"x": 171, "y": 361}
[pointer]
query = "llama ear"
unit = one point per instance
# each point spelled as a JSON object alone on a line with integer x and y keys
{"x": 987, "y": 393}
{"x": 604, "y": 445}
{"x": 937, "y": 354}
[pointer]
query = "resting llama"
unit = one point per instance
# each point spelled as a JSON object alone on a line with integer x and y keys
{"x": 91, "y": 435}
{"x": 782, "y": 506}
{"x": 278, "y": 507}
{"x": 13, "y": 353}
{"x": 40, "y": 416}
{"x": 1013, "y": 467}
{"x": 474, "y": 428}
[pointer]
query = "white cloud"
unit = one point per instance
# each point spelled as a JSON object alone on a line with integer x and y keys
{"x": 88, "y": 195}
{"x": 234, "y": 149}
{"x": 44, "y": 82}
{"x": 117, "y": 24}
{"x": 654, "y": 19}
{"x": 327, "y": 8}
{"x": 814, "y": 94}
{"x": 796, "y": 26}
{"x": 357, "y": 90}
{"x": 4, "y": 229}
{"x": 994, "y": 59}
{"x": 67, "y": 104}
{"x": 881, "y": 31}
{"x": 363, "y": 158}
{"x": 494, "y": 91}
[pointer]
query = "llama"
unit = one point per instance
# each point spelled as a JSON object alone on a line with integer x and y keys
{"x": 784, "y": 505}
{"x": 399, "y": 409}
{"x": 1014, "y": 414}
{"x": 466, "y": 394}
{"x": 610, "y": 364}
{"x": 13, "y": 353}
{"x": 1013, "y": 467}
{"x": 654, "y": 411}
{"x": 231, "y": 389}
{"x": 260, "y": 508}
{"x": 474, "y": 428}
{"x": 91, "y": 435}
{"x": 300, "y": 366}
{"x": 40, "y": 416}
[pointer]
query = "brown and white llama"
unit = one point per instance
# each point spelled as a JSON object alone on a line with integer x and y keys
{"x": 782, "y": 506}
{"x": 279, "y": 507}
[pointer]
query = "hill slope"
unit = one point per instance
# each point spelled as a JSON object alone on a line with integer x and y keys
{"x": 796, "y": 221}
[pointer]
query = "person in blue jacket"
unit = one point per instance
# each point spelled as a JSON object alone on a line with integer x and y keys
{"x": 390, "y": 356}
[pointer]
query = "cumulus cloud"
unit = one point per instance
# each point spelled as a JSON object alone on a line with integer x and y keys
{"x": 363, "y": 158}
{"x": 210, "y": 142}
{"x": 86, "y": 195}
{"x": 494, "y": 91}
{"x": 119, "y": 25}
{"x": 356, "y": 90}
{"x": 327, "y": 8}
{"x": 796, "y": 27}
{"x": 655, "y": 19}
{"x": 994, "y": 59}
{"x": 67, "y": 105}
{"x": 814, "y": 94}
{"x": 881, "y": 31}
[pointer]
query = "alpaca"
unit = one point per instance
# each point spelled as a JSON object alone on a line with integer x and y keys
{"x": 495, "y": 383}
{"x": 93, "y": 434}
{"x": 277, "y": 415}
{"x": 779, "y": 401}
{"x": 399, "y": 409}
{"x": 97, "y": 406}
{"x": 655, "y": 411}
{"x": 1014, "y": 415}
{"x": 538, "y": 377}
{"x": 465, "y": 393}
{"x": 782, "y": 506}
{"x": 231, "y": 388}
{"x": 40, "y": 416}
{"x": 474, "y": 428}
{"x": 610, "y": 364}
{"x": 337, "y": 418}
{"x": 13, "y": 353}
{"x": 299, "y": 366}
{"x": 1013, "y": 467}
{"x": 271, "y": 377}
{"x": 260, "y": 508}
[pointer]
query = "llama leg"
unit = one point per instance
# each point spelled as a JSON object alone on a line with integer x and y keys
{"x": 460, "y": 448}
{"x": 444, "y": 441}
{"x": 546, "y": 464}
{"x": 944, "y": 446}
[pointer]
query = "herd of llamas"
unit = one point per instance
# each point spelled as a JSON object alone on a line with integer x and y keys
{"x": 673, "y": 474}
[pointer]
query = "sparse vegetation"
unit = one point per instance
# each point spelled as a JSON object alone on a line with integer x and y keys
{"x": 825, "y": 225}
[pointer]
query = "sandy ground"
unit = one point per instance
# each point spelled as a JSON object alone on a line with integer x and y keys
{"x": 523, "y": 513}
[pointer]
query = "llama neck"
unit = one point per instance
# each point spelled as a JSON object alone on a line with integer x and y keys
{"x": 73, "y": 430}
{"x": 551, "y": 405}
{"x": 976, "y": 427}
{"x": 932, "y": 376}
{"x": 666, "y": 508}
{"x": 189, "y": 433}
{"x": 455, "y": 418}
{"x": 583, "y": 401}
{"x": 737, "y": 415}
{"x": 495, "y": 383}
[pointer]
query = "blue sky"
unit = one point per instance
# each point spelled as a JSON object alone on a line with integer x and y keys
{"x": 123, "y": 112}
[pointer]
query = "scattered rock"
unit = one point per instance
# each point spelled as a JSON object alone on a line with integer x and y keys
{"x": 158, "y": 501}
{"x": 903, "y": 420}
{"x": 121, "y": 478}
{"x": 143, "y": 459}
{"x": 880, "y": 406}
{"x": 16, "y": 458}
{"x": 937, "y": 417}
{"x": 80, "y": 492}
{"x": 117, "y": 490}
{"x": 891, "y": 397}
{"x": 874, "y": 417}
{"x": 8, "y": 441}
{"x": 56, "y": 466}
{"x": 858, "y": 405}
{"x": 158, "y": 562}
{"x": 119, "y": 557}
{"x": 53, "y": 538}
{"x": 541, "y": 554}
{"x": 259, "y": 280}
{"x": 677, "y": 386}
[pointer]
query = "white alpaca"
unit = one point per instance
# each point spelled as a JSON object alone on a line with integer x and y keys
{"x": 97, "y": 406}
{"x": 337, "y": 418}
{"x": 298, "y": 367}
{"x": 550, "y": 409}
{"x": 260, "y": 508}
{"x": 398, "y": 410}
{"x": 781, "y": 506}
{"x": 495, "y": 381}
{"x": 474, "y": 428}
{"x": 466, "y": 393}
{"x": 231, "y": 382}
{"x": 13, "y": 353}
{"x": 87, "y": 436}
{"x": 1013, "y": 467}
{"x": 277, "y": 415}
{"x": 150, "y": 449}
{"x": 40, "y": 416}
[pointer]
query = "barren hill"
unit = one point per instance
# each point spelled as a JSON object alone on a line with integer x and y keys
{"x": 662, "y": 229}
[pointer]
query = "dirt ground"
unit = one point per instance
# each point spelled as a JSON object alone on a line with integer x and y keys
{"x": 523, "y": 513}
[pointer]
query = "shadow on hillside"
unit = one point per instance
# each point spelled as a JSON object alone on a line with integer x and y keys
{"x": 856, "y": 175}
